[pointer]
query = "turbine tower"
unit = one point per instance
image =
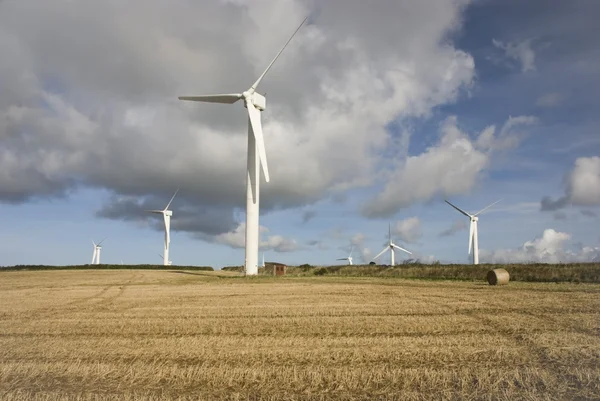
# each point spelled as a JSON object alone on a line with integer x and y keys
{"x": 390, "y": 246}
{"x": 349, "y": 258}
{"x": 96, "y": 254}
{"x": 255, "y": 103}
{"x": 473, "y": 233}
{"x": 167, "y": 218}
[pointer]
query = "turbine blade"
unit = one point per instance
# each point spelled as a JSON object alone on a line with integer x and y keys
{"x": 154, "y": 211}
{"x": 254, "y": 115}
{"x": 228, "y": 98}
{"x": 173, "y": 197}
{"x": 94, "y": 243}
{"x": 402, "y": 249}
{"x": 351, "y": 249}
{"x": 460, "y": 210}
{"x": 470, "y": 236}
{"x": 390, "y": 232}
{"x": 487, "y": 207}
{"x": 382, "y": 252}
{"x": 255, "y": 85}
{"x": 342, "y": 259}
{"x": 101, "y": 241}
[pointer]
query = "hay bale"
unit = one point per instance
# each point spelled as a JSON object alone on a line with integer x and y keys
{"x": 498, "y": 277}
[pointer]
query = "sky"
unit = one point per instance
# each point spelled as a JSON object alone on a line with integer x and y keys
{"x": 376, "y": 113}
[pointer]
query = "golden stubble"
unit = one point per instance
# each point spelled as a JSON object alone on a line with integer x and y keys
{"x": 169, "y": 335}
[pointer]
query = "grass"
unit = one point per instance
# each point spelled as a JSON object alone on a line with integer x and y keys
{"x": 177, "y": 335}
{"x": 532, "y": 272}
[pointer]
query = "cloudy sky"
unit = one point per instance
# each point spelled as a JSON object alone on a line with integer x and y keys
{"x": 376, "y": 113}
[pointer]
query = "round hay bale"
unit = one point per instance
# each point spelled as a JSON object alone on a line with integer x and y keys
{"x": 498, "y": 277}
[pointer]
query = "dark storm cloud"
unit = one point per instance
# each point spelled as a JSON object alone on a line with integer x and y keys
{"x": 186, "y": 218}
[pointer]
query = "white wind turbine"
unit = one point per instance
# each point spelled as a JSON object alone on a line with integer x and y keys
{"x": 473, "y": 233}
{"x": 167, "y": 218}
{"x": 349, "y": 258}
{"x": 391, "y": 247}
{"x": 96, "y": 254}
{"x": 255, "y": 103}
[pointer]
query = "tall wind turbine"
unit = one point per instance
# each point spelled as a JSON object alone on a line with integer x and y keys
{"x": 96, "y": 254}
{"x": 255, "y": 103}
{"x": 473, "y": 234}
{"x": 167, "y": 218}
{"x": 390, "y": 246}
{"x": 349, "y": 258}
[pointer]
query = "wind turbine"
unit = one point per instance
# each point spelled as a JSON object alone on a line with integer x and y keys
{"x": 349, "y": 258}
{"x": 391, "y": 247}
{"x": 167, "y": 218}
{"x": 255, "y": 103}
{"x": 263, "y": 262}
{"x": 473, "y": 233}
{"x": 96, "y": 254}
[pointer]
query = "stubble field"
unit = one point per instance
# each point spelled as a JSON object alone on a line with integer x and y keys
{"x": 168, "y": 335}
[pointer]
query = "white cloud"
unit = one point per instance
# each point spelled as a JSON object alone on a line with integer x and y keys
{"x": 237, "y": 239}
{"x": 364, "y": 253}
{"x": 584, "y": 182}
{"x": 450, "y": 167}
{"x": 519, "y": 51}
{"x": 550, "y": 248}
{"x": 84, "y": 103}
{"x": 582, "y": 186}
{"x": 408, "y": 230}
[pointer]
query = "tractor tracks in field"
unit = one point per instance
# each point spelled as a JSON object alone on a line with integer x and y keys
{"x": 101, "y": 300}
{"x": 523, "y": 337}
{"x": 519, "y": 334}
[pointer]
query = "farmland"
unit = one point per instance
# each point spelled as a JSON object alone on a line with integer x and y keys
{"x": 177, "y": 335}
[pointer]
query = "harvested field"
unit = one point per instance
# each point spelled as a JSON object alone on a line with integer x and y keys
{"x": 175, "y": 335}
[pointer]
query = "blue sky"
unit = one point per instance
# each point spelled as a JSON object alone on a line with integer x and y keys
{"x": 366, "y": 125}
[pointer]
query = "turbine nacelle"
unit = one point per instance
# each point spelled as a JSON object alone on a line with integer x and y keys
{"x": 474, "y": 218}
{"x": 256, "y": 99}
{"x": 168, "y": 213}
{"x": 259, "y": 101}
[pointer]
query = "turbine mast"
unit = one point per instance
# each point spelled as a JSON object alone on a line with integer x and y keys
{"x": 252, "y": 206}
{"x": 475, "y": 244}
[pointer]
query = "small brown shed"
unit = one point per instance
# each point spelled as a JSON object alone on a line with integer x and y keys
{"x": 278, "y": 269}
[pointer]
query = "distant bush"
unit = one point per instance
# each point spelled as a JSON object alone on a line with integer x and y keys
{"x": 105, "y": 267}
{"x": 233, "y": 268}
{"x": 539, "y": 272}
{"x": 320, "y": 271}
